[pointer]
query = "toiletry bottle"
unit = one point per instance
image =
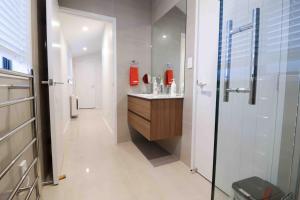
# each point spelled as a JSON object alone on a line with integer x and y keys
{"x": 173, "y": 88}
{"x": 161, "y": 86}
{"x": 154, "y": 86}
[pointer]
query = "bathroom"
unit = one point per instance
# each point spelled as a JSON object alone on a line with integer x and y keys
{"x": 150, "y": 99}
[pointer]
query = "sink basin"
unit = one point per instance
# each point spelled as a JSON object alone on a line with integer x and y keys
{"x": 158, "y": 96}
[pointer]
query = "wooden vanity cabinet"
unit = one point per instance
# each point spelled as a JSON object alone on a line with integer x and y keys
{"x": 156, "y": 119}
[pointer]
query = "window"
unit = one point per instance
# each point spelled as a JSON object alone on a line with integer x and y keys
{"x": 15, "y": 35}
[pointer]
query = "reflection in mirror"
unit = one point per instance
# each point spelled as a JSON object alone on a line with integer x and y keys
{"x": 146, "y": 79}
{"x": 168, "y": 48}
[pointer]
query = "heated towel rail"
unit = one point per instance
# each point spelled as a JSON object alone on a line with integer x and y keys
{"x": 33, "y": 144}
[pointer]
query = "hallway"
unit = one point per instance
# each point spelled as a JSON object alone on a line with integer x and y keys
{"x": 96, "y": 168}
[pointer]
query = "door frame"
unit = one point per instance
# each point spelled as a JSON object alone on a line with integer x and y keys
{"x": 113, "y": 21}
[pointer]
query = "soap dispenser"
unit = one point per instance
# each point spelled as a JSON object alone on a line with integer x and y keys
{"x": 161, "y": 86}
{"x": 173, "y": 89}
{"x": 154, "y": 86}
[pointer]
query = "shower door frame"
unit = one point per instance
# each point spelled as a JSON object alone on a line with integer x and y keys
{"x": 213, "y": 186}
{"x": 296, "y": 155}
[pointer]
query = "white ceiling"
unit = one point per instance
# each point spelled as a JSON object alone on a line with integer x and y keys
{"x": 77, "y": 39}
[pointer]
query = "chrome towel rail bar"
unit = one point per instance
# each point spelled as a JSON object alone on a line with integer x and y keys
{"x": 12, "y": 86}
{"x": 31, "y": 189}
{"x": 7, "y": 74}
{"x": 11, "y": 133}
{"x": 16, "y": 189}
{"x": 11, "y": 164}
{"x": 24, "y": 189}
{"x": 16, "y": 74}
{"x": 16, "y": 101}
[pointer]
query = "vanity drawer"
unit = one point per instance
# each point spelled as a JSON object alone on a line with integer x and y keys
{"x": 140, "y": 106}
{"x": 139, "y": 124}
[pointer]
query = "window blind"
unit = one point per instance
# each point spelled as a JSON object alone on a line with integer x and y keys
{"x": 15, "y": 34}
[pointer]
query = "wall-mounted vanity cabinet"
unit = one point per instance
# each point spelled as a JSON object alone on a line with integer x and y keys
{"x": 155, "y": 117}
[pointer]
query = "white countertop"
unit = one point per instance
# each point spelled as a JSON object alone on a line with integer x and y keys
{"x": 159, "y": 96}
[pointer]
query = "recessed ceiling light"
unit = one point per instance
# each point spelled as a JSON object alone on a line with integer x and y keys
{"x": 56, "y": 45}
{"x": 84, "y": 48}
{"x": 164, "y": 36}
{"x": 55, "y": 23}
{"x": 85, "y": 28}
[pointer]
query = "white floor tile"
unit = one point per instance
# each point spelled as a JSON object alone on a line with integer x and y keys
{"x": 98, "y": 169}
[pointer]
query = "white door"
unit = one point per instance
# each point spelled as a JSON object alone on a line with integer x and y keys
{"x": 55, "y": 86}
{"x": 206, "y": 66}
{"x": 85, "y": 81}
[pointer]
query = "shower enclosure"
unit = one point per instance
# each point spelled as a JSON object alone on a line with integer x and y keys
{"x": 257, "y": 126}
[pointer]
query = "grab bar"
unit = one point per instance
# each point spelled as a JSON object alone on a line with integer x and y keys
{"x": 11, "y": 164}
{"x": 255, "y": 26}
{"x": 16, "y": 101}
{"x": 9, "y": 134}
{"x": 16, "y": 189}
{"x": 31, "y": 189}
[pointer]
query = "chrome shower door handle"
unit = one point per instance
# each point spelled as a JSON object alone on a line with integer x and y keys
{"x": 255, "y": 26}
{"x": 254, "y": 56}
{"x": 228, "y": 60}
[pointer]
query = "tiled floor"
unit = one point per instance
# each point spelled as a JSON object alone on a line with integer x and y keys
{"x": 98, "y": 169}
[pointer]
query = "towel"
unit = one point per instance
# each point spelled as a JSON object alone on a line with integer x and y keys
{"x": 169, "y": 76}
{"x": 134, "y": 75}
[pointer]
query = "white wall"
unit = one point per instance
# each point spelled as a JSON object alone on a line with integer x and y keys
{"x": 94, "y": 60}
{"x": 108, "y": 76}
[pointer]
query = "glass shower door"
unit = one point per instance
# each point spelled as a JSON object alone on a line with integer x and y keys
{"x": 258, "y": 100}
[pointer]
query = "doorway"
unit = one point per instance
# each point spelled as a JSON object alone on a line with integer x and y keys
{"x": 81, "y": 55}
{"x": 85, "y": 81}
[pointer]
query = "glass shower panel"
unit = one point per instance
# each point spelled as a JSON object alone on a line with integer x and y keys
{"x": 257, "y": 138}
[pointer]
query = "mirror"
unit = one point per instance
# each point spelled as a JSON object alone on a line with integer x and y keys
{"x": 168, "y": 47}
